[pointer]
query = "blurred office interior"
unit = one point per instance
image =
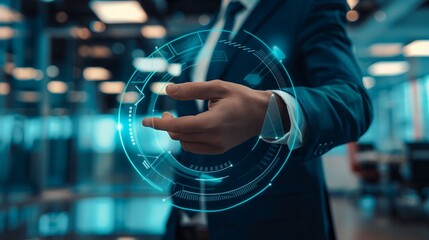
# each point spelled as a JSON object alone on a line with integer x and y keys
{"x": 64, "y": 64}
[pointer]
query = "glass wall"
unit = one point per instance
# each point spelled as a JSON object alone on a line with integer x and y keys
{"x": 400, "y": 115}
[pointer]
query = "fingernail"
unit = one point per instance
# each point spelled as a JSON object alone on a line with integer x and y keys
{"x": 166, "y": 115}
{"x": 146, "y": 122}
{"x": 172, "y": 88}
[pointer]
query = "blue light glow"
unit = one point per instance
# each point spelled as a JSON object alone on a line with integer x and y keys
{"x": 95, "y": 215}
{"x": 278, "y": 53}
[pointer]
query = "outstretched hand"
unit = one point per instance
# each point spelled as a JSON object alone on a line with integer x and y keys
{"x": 235, "y": 114}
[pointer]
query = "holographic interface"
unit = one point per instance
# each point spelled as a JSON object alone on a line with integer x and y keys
{"x": 206, "y": 183}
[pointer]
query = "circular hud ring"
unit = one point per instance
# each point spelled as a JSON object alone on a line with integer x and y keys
{"x": 205, "y": 183}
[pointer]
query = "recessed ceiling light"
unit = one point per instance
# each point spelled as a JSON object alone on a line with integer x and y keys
{"x": 4, "y": 88}
{"x": 77, "y": 96}
{"x": 204, "y": 20}
{"x": 418, "y": 48}
{"x": 385, "y": 49}
{"x": 97, "y": 26}
{"x": 6, "y": 33}
{"x": 128, "y": 97}
{"x": 7, "y": 15}
{"x": 153, "y": 31}
{"x": 96, "y": 74}
{"x": 61, "y": 17}
{"x": 126, "y": 238}
{"x": 384, "y": 69}
{"x": 27, "y": 73}
{"x": 112, "y": 87}
{"x": 57, "y": 87}
{"x": 82, "y": 33}
{"x": 175, "y": 69}
{"x": 28, "y": 96}
{"x": 155, "y": 64}
{"x": 119, "y": 11}
{"x": 52, "y": 71}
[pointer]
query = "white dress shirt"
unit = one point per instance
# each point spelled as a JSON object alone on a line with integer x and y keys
{"x": 199, "y": 74}
{"x": 203, "y": 61}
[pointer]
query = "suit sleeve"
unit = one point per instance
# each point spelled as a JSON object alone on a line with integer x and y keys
{"x": 334, "y": 102}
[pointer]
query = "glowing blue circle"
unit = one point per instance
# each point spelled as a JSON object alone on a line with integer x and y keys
{"x": 197, "y": 182}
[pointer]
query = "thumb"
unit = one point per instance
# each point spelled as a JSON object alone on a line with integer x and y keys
{"x": 167, "y": 115}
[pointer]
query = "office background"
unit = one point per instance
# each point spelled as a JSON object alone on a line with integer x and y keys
{"x": 64, "y": 63}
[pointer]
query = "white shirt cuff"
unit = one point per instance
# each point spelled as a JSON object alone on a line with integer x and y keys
{"x": 297, "y": 122}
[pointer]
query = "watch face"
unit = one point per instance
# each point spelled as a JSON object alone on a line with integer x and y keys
{"x": 190, "y": 181}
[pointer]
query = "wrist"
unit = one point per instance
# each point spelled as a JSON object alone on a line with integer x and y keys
{"x": 262, "y": 100}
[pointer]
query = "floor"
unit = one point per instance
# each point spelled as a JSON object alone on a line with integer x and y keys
{"x": 353, "y": 223}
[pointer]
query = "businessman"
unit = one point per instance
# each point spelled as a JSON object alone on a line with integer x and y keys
{"x": 332, "y": 108}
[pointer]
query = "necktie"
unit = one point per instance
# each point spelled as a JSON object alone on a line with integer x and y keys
{"x": 230, "y": 15}
{"x": 214, "y": 70}
{"x": 232, "y": 9}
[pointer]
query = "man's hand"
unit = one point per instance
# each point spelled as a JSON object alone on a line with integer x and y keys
{"x": 236, "y": 113}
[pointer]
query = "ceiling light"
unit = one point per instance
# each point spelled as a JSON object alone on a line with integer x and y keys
{"x": 418, "y": 48}
{"x": 61, "y": 17}
{"x": 119, "y": 11}
{"x": 28, "y": 96}
{"x": 129, "y": 97}
{"x": 126, "y": 238}
{"x": 52, "y": 71}
{"x": 112, "y": 87}
{"x": 150, "y": 64}
{"x": 27, "y": 73}
{"x": 159, "y": 87}
{"x": 204, "y": 20}
{"x": 57, "y": 87}
{"x": 7, "y": 15}
{"x": 153, "y": 31}
{"x": 96, "y": 74}
{"x": 100, "y": 52}
{"x": 175, "y": 69}
{"x": 385, "y": 49}
{"x": 8, "y": 67}
{"x": 77, "y": 96}
{"x": 84, "y": 51}
{"x": 4, "y": 88}
{"x": 82, "y": 33}
{"x": 97, "y": 26}
{"x": 388, "y": 68}
{"x": 368, "y": 82}
{"x": 6, "y": 33}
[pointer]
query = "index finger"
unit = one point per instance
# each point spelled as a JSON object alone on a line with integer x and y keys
{"x": 214, "y": 89}
{"x": 186, "y": 124}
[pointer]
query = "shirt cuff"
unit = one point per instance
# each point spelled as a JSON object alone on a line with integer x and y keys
{"x": 297, "y": 122}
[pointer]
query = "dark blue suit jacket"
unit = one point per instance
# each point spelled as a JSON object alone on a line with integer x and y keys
{"x": 336, "y": 108}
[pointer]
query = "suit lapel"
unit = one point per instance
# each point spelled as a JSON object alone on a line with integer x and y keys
{"x": 186, "y": 108}
{"x": 254, "y": 21}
